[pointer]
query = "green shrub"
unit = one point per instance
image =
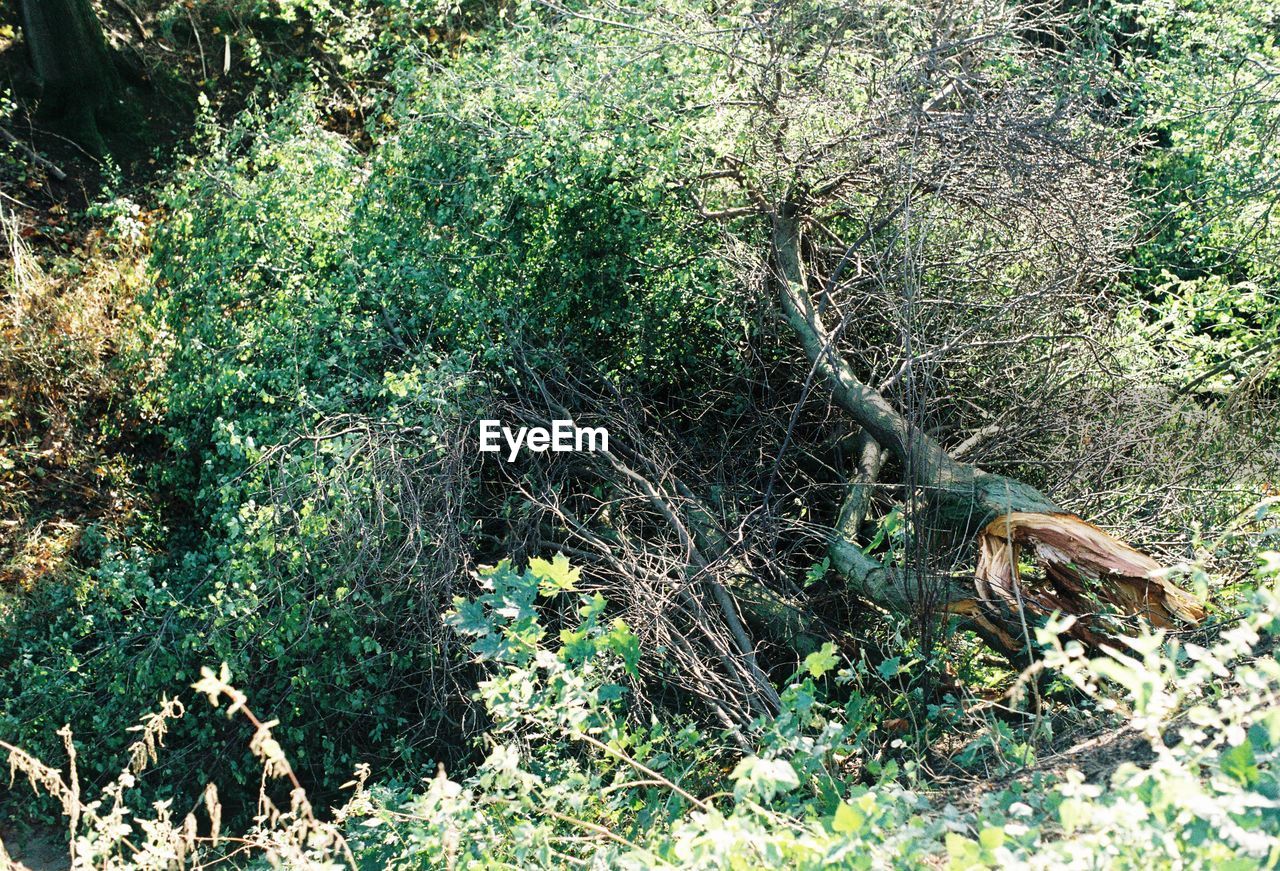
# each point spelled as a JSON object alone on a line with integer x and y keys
{"x": 570, "y": 776}
{"x": 263, "y": 329}
{"x": 523, "y": 205}
{"x": 575, "y": 773}
{"x": 332, "y": 325}
{"x": 1205, "y": 97}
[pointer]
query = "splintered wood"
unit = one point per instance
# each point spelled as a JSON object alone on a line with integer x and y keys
{"x": 1087, "y": 573}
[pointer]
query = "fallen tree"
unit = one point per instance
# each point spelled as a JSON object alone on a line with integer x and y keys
{"x": 1087, "y": 571}
{"x": 857, "y": 183}
{"x": 760, "y": 234}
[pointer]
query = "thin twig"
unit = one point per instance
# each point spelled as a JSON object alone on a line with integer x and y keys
{"x": 52, "y": 168}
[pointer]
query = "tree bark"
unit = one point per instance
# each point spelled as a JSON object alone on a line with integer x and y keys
{"x": 1087, "y": 571}
{"x": 80, "y": 84}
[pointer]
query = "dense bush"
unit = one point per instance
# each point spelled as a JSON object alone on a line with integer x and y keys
{"x": 520, "y": 206}
{"x": 333, "y": 311}
{"x": 329, "y": 324}
{"x": 574, "y": 773}
{"x": 569, "y": 773}
{"x": 1204, "y": 94}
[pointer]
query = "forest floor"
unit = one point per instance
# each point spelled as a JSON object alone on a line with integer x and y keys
{"x": 37, "y": 850}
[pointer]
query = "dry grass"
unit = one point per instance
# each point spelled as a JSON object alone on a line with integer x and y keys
{"x": 67, "y": 324}
{"x": 106, "y": 833}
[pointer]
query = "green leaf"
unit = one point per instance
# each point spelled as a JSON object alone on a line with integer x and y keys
{"x": 890, "y": 667}
{"x": 848, "y": 819}
{"x": 554, "y": 577}
{"x": 469, "y": 618}
{"x": 624, "y": 642}
{"x": 1073, "y": 814}
{"x": 576, "y": 646}
{"x": 1239, "y": 764}
{"x": 991, "y": 838}
{"x": 821, "y": 661}
{"x": 592, "y": 607}
{"x": 817, "y": 571}
{"x": 1265, "y": 731}
{"x": 763, "y": 777}
{"x": 963, "y": 853}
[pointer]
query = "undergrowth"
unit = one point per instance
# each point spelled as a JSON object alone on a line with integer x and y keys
{"x": 571, "y": 776}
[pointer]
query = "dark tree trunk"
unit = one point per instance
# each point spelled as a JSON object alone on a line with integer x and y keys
{"x": 80, "y": 86}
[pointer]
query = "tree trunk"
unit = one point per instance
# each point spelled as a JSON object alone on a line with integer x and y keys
{"x": 80, "y": 84}
{"x": 1087, "y": 571}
